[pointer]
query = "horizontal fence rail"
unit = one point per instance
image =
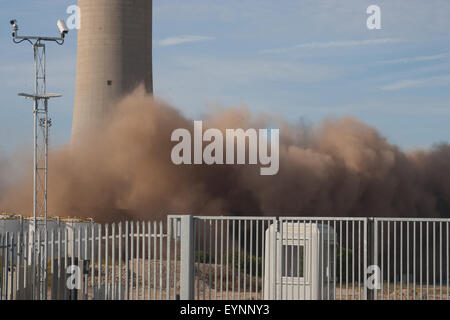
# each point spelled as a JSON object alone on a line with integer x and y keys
{"x": 226, "y": 258}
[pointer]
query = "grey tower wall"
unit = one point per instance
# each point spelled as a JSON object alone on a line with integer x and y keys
{"x": 114, "y": 56}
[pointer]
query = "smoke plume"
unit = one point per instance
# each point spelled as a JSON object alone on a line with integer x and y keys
{"x": 340, "y": 167}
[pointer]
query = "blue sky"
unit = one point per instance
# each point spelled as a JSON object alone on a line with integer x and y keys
{"x": 302, "y": 59}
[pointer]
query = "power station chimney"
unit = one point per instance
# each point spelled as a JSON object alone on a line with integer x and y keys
{"x": 114, "y": 57}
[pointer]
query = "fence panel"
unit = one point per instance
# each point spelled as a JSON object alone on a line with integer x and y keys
{"x": 413, "y": 255}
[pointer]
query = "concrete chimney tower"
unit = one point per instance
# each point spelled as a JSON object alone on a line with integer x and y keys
{"x": 114, "y": 56}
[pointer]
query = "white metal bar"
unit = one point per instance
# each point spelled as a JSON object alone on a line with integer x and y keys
{"x": 340, "y": 260}
{"x": 94, "y": 296}
{"x": 155, "y": 232}
{"x": 26, "y": 259}
{"x": 144, "y": 260}
{"x": 11, "y": 266}
{"x": 2, "y": 269}
{"x": 428, "y": 262}
{"x": 168, "y": 261}
{"x": 107, "y": 262}
{"x": 401, "y": 260}
{"x": 353, "y": 259}
{"x": 209, "y": 258}
{"x": 245, "y": 260}
{"x": 395, "y": 260}
{"x": 86, "y": 257}
{"x": 388, "y": 259}
{"x": 215, "y": 259}
{"x": 19, "y": 264}
{"x": 78, "y": 251}
{"x": 292, "y": 260}
{"x": 228, "y": 255}
{"x": 257, "y": 258}
{"x": 132, "y": 262}
{"x": 39, "y": 264}
{"x": 346, "y": 260}
{"x": 233, "y": 266}
{"x": 328, "y": 260}
{"x": 407, "y": 260}
{"x": 127, "y": 261}
{"x": 176, "y": 243}
{"x": 99, "y": 263}
{"x": 434, "y": 260}
{"x": 160, "y": 259}
{"x": 334, "y": 259}
{"x": 414, "y": 259}
{"x": 382, "y": 259}
{"x": 221, "y": 258}
{"x": 120, "y": 262}
{"x": 138, "y": 236}
{"x": 45, "y": 284}
{"x": 198, "y": 250}
{"x": 440, "y": 260}
{"x": 420, "y": 260}
{"x": 365, "y": 256}
{"x": 251, "y": 259}
{"x": 113, "y": 262}
{"x": 150, "y": 259}
{"x": 66, "y": 262}
{"x": 309, "y": 279}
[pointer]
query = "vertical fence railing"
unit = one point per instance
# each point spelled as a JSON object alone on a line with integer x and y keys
{"x": 131, "y": 260}
{"x": 217, "y": 258}
{"x": 413, "y": 256}
{"x": 228, "y": 257}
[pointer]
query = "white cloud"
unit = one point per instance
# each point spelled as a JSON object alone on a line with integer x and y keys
{"x": 416, "y": 59}
{"x": 335, "y": 44}
{"x": 415, "y": 83}
{"x": 172, "y": 41}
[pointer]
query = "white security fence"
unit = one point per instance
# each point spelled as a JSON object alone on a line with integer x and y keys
{"x": 245, "y": 258}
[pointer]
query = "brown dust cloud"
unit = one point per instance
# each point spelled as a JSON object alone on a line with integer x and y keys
{"x": 339, "y": 167}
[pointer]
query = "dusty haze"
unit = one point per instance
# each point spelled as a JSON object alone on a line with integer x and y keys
{"x": 340, "y": 167}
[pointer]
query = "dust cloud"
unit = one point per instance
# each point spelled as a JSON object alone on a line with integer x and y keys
{"x": 340, "y": 167}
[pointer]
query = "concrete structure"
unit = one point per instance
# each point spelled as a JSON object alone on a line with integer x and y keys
{"x": 114, "y": 56}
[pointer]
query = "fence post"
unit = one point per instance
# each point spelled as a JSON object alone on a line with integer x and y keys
{"x": 187, "y": 258}
{"x": 369, "y": 252}
{"x": 365, "y": 253}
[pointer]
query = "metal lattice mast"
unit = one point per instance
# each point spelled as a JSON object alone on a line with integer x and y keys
{"x": 41, "y": 126}
{"x": 42, "y": 122}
